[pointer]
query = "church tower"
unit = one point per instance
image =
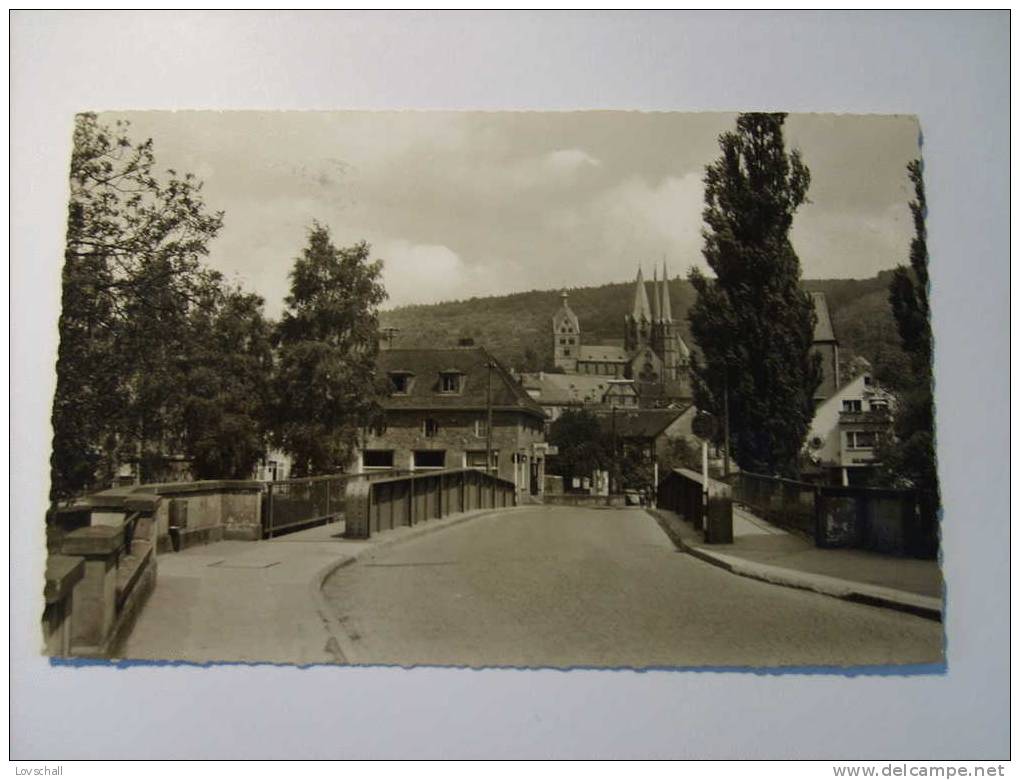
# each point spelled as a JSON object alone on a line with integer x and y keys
{"x": 638, "y": 324}
{"x": 669, "y": 338}
{"x": 566, "y": 337}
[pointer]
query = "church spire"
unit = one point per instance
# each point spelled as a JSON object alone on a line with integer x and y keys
{"x": 667, "y": 309}
{"x": 655, "y": 294}
{"x": 641, "y": 309}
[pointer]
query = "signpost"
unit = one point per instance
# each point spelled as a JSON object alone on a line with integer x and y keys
{"x": 704, "y": 426}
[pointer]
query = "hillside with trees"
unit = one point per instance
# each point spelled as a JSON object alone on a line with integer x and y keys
{"x": 515, "y": 327}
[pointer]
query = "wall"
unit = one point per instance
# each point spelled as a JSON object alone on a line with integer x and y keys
{"x": 512, "y": 432}
{"x": 216, "y": 509}
{"x": 826, "y": 428}
{"x": 387, "y": 503}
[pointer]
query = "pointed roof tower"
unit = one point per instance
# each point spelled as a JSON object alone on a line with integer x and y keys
{"x": 655, "y": 295}
{"x": 641, "y": 308}
{"x": 667, "y": 309}
{"x": 564, "y": 320}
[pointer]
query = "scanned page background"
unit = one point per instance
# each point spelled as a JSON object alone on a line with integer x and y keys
{"x": 951, "y": 70}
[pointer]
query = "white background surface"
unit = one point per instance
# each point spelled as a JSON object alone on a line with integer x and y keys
{"x": 952, "y": 69}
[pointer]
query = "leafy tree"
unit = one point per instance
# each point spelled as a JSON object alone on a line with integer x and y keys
{"x": 328, "y": 343}
{"x": 229, "y": 370}
{"x": 131, "y": 273}
{"x": 583, "y": 446}
{"x": 910, "y": 457}
{"x": 753, "y": 323}
{"x": 636, "y": 470}
{"x": 680, "y": 453}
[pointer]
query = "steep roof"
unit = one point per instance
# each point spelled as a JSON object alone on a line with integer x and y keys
{"x": 667, "y": 307}
{"x": 641, "y": 309}
{"x": 639, "y": 423}
{"x": 471, "y": 363}
{"x": 661, "y": 393}
{"x": 562, "y": 389}
{"x": 565, "y": 316}
{"x": 602, "y": 353}
{"x": 656, "y": 298}
{"x": 823, "y": 322}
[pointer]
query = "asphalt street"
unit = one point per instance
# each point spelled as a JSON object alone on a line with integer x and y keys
{"x": 565, "y": 587}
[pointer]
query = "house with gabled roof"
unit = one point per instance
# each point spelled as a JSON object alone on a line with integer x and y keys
{"x": 436, "y": 415}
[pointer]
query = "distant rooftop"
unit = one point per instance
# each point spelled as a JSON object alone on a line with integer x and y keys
{"x": 823, "y": 325}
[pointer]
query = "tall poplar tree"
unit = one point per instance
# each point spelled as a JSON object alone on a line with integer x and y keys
{"x": 910, "y": 457}
{"x": 753, "y": 323}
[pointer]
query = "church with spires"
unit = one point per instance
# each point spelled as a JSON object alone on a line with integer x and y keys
{"x": 652, "y": 351}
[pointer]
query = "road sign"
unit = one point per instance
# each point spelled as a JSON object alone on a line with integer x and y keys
{"x": 703, "y": 426}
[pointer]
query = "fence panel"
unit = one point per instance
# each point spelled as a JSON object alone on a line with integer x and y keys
{"x": 877, "y": 519}
{"x": 408, "y": 500}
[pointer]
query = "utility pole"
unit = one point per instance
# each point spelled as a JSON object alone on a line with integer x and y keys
{"x": 488, "y": 422}
{"x": 389, "y": 333}
{"x": 726, "y": 424}
{"x": 613, "y": 474}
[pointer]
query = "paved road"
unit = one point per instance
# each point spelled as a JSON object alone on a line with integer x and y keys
{"x": 559, "y": 587}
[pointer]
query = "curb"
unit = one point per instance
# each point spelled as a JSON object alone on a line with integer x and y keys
{"x": 337, "y": 643}
{"x": 846, "y": 590}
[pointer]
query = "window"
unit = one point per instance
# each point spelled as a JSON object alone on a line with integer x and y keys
{"x": 476, "y": 459}
{"x": 378, "y": 426}
{"x": 879, "y": 405}
{"x": 449, "y": 382}
{"x": 429, "y": 459}
{"x": 867, "y": 379}
{"x": 377, "y": 459}
{"x": 481, "y": 428}
{"x": 566, "y": 351}
{"x": 429, "y": 427}
{"x": 860, "y": 440}
{"x": 401, "y": 382}
{"x": 852, "y": 406}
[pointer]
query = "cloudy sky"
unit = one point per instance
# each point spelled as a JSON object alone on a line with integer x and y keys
{"x": 464, "y": 204}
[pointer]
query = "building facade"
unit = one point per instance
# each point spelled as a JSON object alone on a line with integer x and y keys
{"x": 437, "y": 412}
{"x": 652, "y": 349}
{"x": 841, "y": 443}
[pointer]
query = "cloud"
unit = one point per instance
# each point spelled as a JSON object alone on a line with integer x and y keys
{"x": 420, "y": 273}
{"x": 569, "y": 160}
{"x": 636, "y": 221}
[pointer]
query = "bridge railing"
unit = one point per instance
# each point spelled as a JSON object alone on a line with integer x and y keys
{"x": 878, "y": 519}
{"x": 385, "y": 503}
{"x": 294, "y": 504}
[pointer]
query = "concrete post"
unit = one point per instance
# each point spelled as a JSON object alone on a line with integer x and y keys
{"x": 95, "y": 601}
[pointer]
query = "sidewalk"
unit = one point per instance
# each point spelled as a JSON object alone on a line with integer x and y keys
{"x": 254, "y": 602}
{"x": 763, "y": 551}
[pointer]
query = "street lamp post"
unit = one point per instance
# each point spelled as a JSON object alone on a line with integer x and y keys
{"x": 726, "y": 424}
{"x": 614, "y": 473}
{"x": 488, "y": 423}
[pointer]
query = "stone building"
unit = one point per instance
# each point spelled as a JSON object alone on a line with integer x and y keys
{"x": 652, "y": 349}
{"x": 436, "y": 417}
{"x": 651, "y": 431}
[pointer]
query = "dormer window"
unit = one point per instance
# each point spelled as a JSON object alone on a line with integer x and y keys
{"x": 450, "y": 382}
{"x": 400, "y": 381}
